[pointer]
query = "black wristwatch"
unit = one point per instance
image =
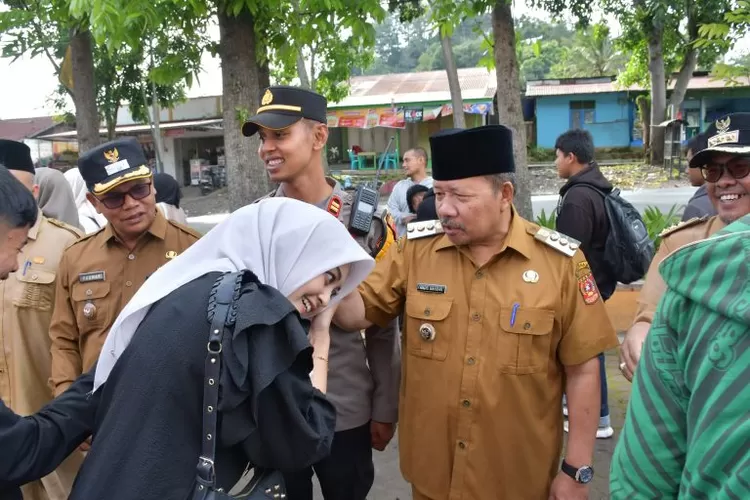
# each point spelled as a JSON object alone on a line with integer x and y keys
{"x": 582, "y": 475}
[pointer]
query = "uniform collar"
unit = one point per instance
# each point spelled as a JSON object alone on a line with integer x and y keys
{"x": 158, "y": 228}
{"x": 337, "y": 189}
{"x": 34, "y": 231}
{"x": 517, "y": 238}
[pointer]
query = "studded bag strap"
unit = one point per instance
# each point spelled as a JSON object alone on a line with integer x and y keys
{"x": 221, "y": 315}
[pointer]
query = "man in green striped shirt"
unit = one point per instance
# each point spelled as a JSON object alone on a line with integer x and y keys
{"x": 687, "y": 432}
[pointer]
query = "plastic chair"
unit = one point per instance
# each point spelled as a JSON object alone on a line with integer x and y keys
{"x": 354, "y": 160}
{"x": 389, "y": 162}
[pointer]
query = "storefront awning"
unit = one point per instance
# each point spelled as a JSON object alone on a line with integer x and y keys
{"x": 215, "y": 124}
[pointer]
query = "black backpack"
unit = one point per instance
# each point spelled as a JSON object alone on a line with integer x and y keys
{"x": 628, "y": 250}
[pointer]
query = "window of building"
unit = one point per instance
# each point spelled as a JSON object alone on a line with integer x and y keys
{"x": 582, "y": 113}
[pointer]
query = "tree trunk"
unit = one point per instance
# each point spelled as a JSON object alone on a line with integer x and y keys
{"x": 689, "y": 63}
{"x": 264, "y": 74}
{"x": 84, "y": 91}
{"x": 302, "y": 71}
{"x": 459, "y": 120}
{"x": 509, "y": 110}
{"x": 658, "y": 92}
{"x": 246, "y": 173}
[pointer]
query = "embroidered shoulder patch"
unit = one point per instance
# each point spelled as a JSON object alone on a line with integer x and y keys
{"x": 586, "y": 283}
{"x": 682, "y": 225}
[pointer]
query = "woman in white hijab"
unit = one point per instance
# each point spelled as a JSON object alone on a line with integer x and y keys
{"x": 149, "y": 383}
{"x": 91, "y": 221}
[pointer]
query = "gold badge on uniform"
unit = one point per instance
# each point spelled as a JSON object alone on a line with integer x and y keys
{"x": 267, "y": 98}
{"x": 89, "y": 310}
{"x": 334, "y": 206}
{"x": 530, "y": 276}
{"x": 112, "y": 156}
{"x": 38, "y": 260}
{"x": 171, "y": 254}
{"x": 586, "y": 283}
{"x": 427, "y": 332}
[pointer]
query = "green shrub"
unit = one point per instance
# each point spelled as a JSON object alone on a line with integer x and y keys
{"x": 549, "y": 222}
{"x": 656, "y": 221}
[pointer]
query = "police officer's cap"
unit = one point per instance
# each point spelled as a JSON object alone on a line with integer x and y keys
{"x": 729, "y": 134}
{"x": 463, "y": 153}
{"x": 105, "y": 167}
{"x": 16, "y": 155}
{"x": 282, "y": 106}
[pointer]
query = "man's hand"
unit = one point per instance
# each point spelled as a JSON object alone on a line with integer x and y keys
{"x": 565, "y": 487}
{"x": 631, "y": 347}
{"x": 85, "y": 446}
{"x": 382, "y": 434}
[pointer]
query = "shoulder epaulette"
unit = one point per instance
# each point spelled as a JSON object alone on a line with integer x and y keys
{"x": 559, "y": 241}
{"x": 77, "y": 232}
{"x": 422, "y": 229}
{"x": 186, "y": 229}
{"x": 682, "y": 225}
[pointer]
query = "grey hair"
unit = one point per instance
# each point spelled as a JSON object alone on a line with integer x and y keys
{"x": 497, "y": 181}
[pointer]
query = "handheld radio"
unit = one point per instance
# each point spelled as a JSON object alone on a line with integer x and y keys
{"x": 365, "y": 201}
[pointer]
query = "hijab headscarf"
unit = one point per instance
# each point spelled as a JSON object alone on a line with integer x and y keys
{"x": 55, "y": 196}
{"x": 167, "y": 189}
{"x": 284, "y": 242}
{"x": 90, "y": 219}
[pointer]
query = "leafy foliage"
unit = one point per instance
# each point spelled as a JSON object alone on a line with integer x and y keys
{"x": 734, "y": 25}
{"x": 656, "y": 222}
{"x": 548, "y": 221}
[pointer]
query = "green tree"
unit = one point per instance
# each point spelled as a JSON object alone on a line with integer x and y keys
{"x": 592, "y": 53}
{"x": 734, "y": 25}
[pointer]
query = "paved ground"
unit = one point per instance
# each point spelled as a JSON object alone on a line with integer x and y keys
{"x": 389, "y": 485}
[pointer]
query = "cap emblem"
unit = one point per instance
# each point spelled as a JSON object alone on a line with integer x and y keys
{"x": 267, "y": 98}
{"x": 112, "y": 156}
{"x": 722, "y": 125}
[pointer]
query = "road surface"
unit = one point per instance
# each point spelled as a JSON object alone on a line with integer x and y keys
{"x": 663, "y": 199}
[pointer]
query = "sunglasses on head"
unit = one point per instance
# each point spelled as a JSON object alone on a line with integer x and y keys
{"x": 116, "y": 200}
{"x": 738, "y": 168}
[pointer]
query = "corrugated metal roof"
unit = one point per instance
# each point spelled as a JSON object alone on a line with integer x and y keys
{"x": 544, "y": 88}
{"x": 426, "y": 86}
{"x": 25, "y": 128}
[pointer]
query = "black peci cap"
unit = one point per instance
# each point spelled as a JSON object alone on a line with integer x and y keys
{"x": 105, "y": 167}
{"x": 16, "y": 155}
{"x": 472, "y": 152}
{"x": 282, "y": 107}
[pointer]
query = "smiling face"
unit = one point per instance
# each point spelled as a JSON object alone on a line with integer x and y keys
{"x": 136, "y": 214}
{"x": 315, "y": 295}
{"x": 288, "y": 152}
{"x": 730, "y": 196}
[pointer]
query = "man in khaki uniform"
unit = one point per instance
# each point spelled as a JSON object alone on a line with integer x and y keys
{"x": 364, "y": 377}
{"x": 101, "y": 272}
{"x": 501, "y": 317}
{"x": 725, "y": 166}
{"x": 26, "y": 300}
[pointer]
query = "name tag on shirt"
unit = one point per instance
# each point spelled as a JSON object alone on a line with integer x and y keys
{"x": 430, "y": 288}
{"x": 92, "y": 276}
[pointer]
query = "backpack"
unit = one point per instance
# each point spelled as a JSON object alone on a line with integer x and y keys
{"x": 628, "y": 249}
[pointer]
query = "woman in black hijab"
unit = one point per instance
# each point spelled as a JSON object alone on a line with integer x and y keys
{"x": 168, "y": 196}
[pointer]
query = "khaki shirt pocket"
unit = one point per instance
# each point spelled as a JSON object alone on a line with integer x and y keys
{"x": 91, "y": 304}
{"x": 37, "y": 290}
{"x": 424, "y": 315}
{"x": 523, "y": 340}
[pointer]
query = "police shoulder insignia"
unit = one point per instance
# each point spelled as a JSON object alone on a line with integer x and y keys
{"x": 586, "y": 283}
{"x": 77, "y": 232}
{"x": 422, "y": 229}
{"x": 682, "y": 225}
{"x": 334, "y": 206}
{"x": 560, "y": 242}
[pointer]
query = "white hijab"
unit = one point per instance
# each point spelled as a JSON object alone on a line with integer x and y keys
{"x": 285, "y": 242}
{"x": 90, "y": 219}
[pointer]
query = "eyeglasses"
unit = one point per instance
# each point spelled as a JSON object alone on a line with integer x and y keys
{"x": 738, "y": 168}
{"x": 116, "y": 200}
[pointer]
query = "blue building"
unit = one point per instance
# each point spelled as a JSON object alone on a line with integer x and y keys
{"x": 609, "y": 111}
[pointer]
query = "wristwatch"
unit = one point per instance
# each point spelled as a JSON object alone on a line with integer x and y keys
{"x": 582, "y": 475}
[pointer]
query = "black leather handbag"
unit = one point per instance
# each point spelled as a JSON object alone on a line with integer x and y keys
{"x": 266, "y": 483}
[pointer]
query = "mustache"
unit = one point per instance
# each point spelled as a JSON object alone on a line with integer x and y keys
{"x": 446, "y": 222}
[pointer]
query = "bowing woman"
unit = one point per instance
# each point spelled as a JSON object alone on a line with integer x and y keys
{"x": 149, "y": 381}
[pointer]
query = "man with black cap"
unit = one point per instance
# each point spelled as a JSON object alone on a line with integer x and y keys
{"x": 363, "y": 381}
{"x": 725, "y": 165}
{"x": 699, "y": 204}
{"x": 502, "y": 316}
{"x": 26, "y": 300}
{"x": 101, "y": 272}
